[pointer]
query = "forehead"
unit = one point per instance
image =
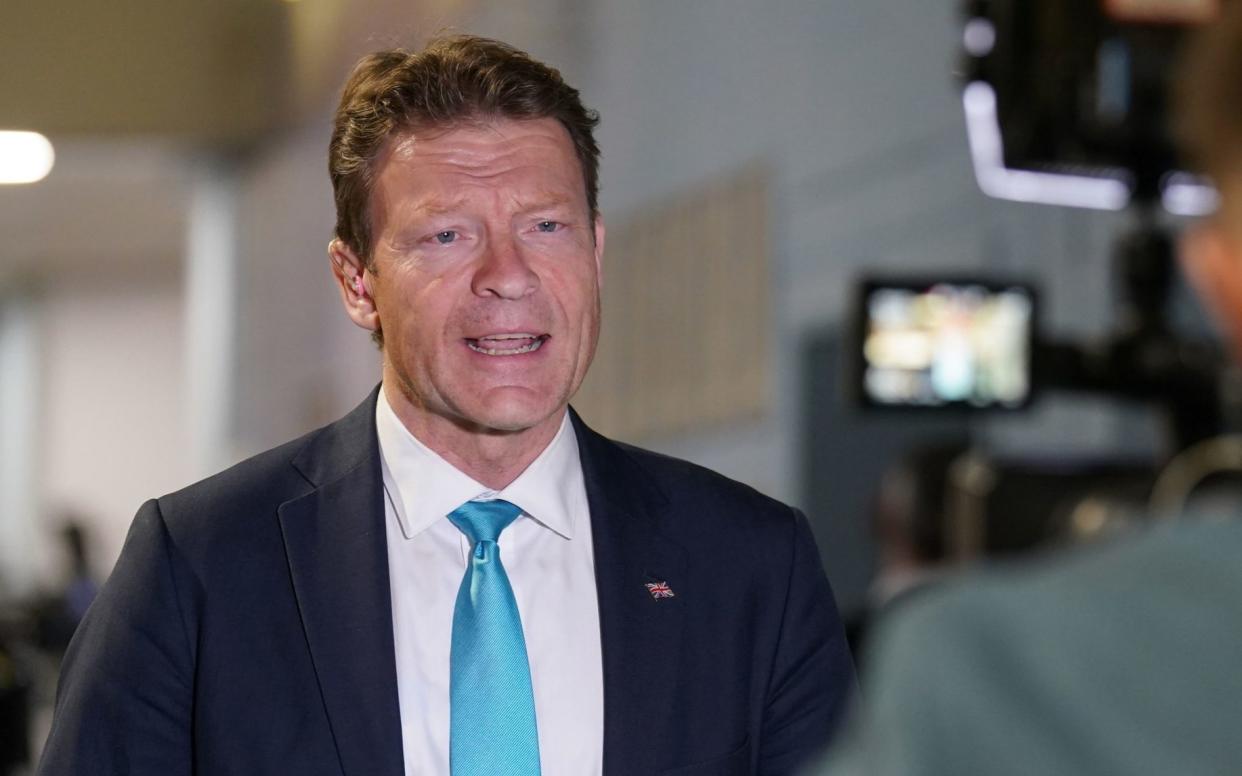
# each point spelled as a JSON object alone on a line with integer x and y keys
{"x": 494, "y": 155}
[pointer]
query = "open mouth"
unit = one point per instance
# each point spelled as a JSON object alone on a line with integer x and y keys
{"x": 507, "y": 344}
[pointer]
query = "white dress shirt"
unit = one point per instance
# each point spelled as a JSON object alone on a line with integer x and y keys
{"x": 550, "y": 562}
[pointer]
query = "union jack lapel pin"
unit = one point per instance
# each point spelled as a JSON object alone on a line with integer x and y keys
{"x": 659, "y": 590}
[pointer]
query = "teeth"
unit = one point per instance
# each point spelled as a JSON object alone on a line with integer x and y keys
{"x": 532, "y": 344}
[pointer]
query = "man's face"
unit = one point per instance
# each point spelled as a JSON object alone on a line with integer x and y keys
{"x": 487, "y": 272}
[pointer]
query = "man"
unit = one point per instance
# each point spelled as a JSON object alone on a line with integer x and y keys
{"x": 460, "y": 576}
{"x": 1122, "y": 659}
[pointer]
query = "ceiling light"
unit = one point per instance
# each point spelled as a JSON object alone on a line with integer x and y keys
{"x": 996, "y": 180}
{"x": 25, "y": 157}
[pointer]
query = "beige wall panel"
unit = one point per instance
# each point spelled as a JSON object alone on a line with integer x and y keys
{"x": 686, "y": 314}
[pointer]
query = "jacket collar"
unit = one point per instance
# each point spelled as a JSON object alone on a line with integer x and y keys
{"x": 641, "y": 635}
{"x": 338, "y": 560}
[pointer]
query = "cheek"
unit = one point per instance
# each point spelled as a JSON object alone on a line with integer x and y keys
{"x": 578, "y": 290}
{"x": 419, "y": 308}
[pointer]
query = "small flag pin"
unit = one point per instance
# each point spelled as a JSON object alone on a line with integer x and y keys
{"x": 659, "y": 590}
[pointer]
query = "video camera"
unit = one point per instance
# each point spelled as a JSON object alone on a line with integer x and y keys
{"x": 1066, "y": 102}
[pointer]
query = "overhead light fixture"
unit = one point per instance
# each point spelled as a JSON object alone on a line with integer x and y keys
{"x": 996, "y": 180}
{"x": 979, "y": 37}
{"x": 25, "y": 157}
{"x": 1188, "y": 195}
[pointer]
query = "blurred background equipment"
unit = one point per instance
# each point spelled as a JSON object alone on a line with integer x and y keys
{"x": 1066, "y": 101}
{"x": 945, "y": 344}
{"x": 1065, "y": 104}
{"x": 1071, "y": 98}
{"x": 910, "y": 521}
{"x": 1077, "y": 95}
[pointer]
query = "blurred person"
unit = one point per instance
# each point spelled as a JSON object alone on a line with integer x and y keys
{"x": 14, "y": 710}
{"x": 339, "y": 604}
{"x": 910, "y": 527}
{"x": 57, "y": 615}
{"x": 1121, "y": 659}
{"x": 81, "y": 587}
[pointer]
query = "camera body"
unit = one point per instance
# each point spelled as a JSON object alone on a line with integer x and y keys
{"x": 1067, "y": 102}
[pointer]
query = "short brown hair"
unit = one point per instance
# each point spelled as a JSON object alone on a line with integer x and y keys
{"x": 1209, "y": 98}
{"x": 455, "y": 79}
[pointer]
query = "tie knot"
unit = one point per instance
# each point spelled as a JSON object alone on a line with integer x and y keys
{"x": 482, "y": 521}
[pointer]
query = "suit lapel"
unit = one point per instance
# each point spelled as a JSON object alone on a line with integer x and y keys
{"x": 640, "y": 634}
{"x": 338, "y": 558}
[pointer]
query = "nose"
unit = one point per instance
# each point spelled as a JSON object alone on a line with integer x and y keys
{"x": 503, "y": 271}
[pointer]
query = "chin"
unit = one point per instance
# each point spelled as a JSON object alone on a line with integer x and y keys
{"x": 510, "y": 414}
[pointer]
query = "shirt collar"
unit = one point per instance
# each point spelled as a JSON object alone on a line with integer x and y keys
{"x": 423, "y": 487}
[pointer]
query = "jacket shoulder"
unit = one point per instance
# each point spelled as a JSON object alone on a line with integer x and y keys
{"x": 257, "y": 484}
{"x": 261, "y": 483}
{"x": 687, "y": 485}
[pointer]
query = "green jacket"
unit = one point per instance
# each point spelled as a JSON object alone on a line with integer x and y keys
{"x": 1120, "y": 659}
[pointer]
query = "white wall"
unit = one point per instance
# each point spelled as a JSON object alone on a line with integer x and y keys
{"x": 301, "y": 363}
{"x": 21, "y": 548}
{"x": 114, "y": 430}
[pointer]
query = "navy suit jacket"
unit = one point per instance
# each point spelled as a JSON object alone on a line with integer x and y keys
{"x": 247, "y": 627}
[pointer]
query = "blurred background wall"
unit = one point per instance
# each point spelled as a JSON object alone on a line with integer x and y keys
{"x": 165, "y": 299}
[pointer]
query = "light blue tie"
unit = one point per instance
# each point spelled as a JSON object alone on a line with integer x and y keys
{"x": 492, "y": 707}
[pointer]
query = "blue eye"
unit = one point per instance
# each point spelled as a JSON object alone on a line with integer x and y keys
{"x": 547, "y": 226}
{"x": 446, "y": 237}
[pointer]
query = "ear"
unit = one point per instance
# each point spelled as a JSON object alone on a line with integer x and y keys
{"x": 599, "y": 250}
{"x": 1213, "y": 266}
{"x": 354, "y": 283}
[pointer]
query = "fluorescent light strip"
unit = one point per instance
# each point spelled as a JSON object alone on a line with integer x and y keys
{"x": 25, "y": 157}
{"x": 979, "y": 37}
{"x": 1183, "y": 194}
{"x": 997, "y": 180}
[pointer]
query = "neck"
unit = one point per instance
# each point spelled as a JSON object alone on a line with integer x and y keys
{"x": 493, "y": 458}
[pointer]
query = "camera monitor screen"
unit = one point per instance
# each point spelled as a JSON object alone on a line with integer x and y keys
{"x": 942, "y": 344}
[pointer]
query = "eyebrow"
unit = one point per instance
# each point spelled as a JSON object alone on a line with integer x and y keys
{"x": 543, "y": 199}
{"x": 432, "y": 205}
